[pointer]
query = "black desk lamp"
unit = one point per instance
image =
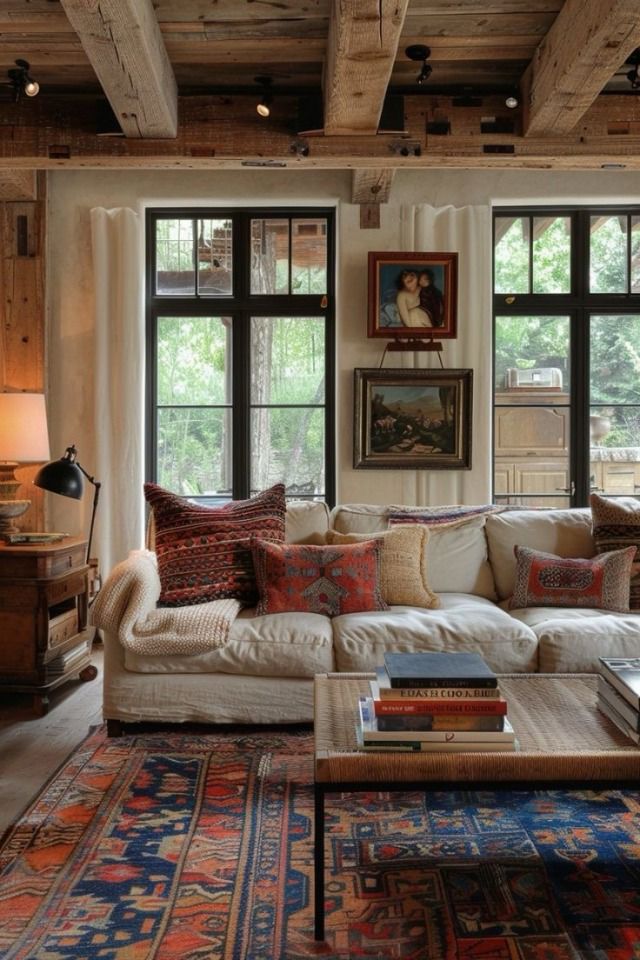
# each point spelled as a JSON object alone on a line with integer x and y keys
{"x": 64, "y": 476}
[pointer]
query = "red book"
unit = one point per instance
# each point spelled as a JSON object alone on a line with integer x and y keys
{"x": 385, "y": 708}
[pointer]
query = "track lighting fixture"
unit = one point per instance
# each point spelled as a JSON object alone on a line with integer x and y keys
{"x": 21, "y": 81}
{"x": 418, "y": 52}
{"x": 300, "y": 148}
{"x": 263, "y": 107}
{"x": 633, "y": 77}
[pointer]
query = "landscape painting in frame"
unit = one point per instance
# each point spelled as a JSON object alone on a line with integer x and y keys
{"x": 413, "y": 295}
{"x": 413, "y": 419}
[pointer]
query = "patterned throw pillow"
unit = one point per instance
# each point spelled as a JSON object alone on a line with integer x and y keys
{"x": 403, "y": 577}
{"x": 331, "y": 580}
{"x": 440, "y": 516}
{"x": 204, "y": 553}
{"x": 616, "y": 524}
{"x": 545, "y": 580}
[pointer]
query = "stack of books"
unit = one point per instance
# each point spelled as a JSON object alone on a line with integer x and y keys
{"x": 619, "y": 693}
{"x": 435, "y": 702}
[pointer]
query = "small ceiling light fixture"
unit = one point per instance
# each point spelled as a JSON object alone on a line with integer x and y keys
{"x": 263, "y": 107}
{"x": 22, "y": 82}
{"x": 633, "y": 76}
{"x": 418, "y": 52}
{"x": 512, "y": 101}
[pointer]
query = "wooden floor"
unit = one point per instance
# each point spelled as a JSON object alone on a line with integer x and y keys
{"x": 32, "y": 748}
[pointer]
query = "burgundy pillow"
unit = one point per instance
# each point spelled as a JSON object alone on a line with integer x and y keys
{"x": 344, "y": 578}
{"x": 204, "y": 553}
{"x": 545, "y": 580}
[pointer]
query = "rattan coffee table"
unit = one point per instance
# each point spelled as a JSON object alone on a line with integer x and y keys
{"x": 563, "y": 737}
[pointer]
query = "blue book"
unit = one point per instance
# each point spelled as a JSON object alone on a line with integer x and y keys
{"x": 438, "y": 670}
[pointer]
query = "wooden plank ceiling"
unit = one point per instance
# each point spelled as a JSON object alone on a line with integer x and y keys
{"x": 180, "y": 77}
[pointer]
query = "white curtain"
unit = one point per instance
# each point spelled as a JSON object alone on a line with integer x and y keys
{"x": 119, "y": 387}
{"x": 466, "y": 230}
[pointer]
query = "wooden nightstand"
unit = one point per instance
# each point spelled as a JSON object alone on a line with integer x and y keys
{"x": 44, "y": 639}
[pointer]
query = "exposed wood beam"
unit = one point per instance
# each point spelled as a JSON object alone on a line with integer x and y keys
{"x": 371, "y": 186}
{"x": 581, "y": 52}
{"x": 361, "y": 51}
{"x": 18, "y": 185}
{"x": 123, "y": 42}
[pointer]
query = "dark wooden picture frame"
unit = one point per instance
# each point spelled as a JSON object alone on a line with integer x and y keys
{"x": 412, "y": 419}
{"x": 413, "y": 295}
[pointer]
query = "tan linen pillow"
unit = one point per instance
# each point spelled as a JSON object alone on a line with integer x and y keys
{"x": 403, "y": 579}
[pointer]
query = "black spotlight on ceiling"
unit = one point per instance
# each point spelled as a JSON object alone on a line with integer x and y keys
{"x": 21, "y": 81}
{"x": 263, "y": 107}
{"x": 633, "y": 76}
{"x": 418, "y": 52}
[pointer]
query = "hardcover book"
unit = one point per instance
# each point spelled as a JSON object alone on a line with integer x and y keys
{"x": 428, "y": 705}
{"x": 438, "y": 670}
{"x": 623, "y": 673}
{"x": 371, "y": 731}
{"x": 620, "y": 722}
{"x": 386, "y": 692}
{"x": 427, "y": 721}
{"x": 609, "y": 694}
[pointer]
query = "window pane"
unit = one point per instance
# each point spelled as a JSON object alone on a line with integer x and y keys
{"x": 511, "y": 255}
{"x": 174, "y": 257}
{"x": 287, "y": 360}
{"x": 615, "y": 450}
{"x": 551, "y": 255}
{"x": 194, "y": 360}
{"x": 532, "y": 353}
{"x": 269, "y": 256}
{"x": 546, "y": 502}
{"x": 608, "y": 263}
{"x": 194, "y": 451}
{"x": 635, "y": 254}
{"x": 215, "y": 254}
{"x": 615, "y": 359}
{"x": 309, "y": 256}
{"x": 288, "y": 445}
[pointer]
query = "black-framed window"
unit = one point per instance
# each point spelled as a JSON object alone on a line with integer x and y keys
{"x": 566, "y": 305}
{"x": 240, "y": 351}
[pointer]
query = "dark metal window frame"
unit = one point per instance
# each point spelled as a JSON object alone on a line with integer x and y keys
{"x": 579, "y": 305}
{"x": 241, "y": 306}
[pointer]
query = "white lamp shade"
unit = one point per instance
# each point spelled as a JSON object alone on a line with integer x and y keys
{"x": 23, "y": 428}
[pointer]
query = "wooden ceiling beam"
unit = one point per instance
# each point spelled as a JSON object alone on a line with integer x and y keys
{"x": 581, "y": 52}
{"x": 361, "y": 51}
{"x": 18, "y": 185}
{"x": 122, "y": 40}
{"x": 371, "y": 186}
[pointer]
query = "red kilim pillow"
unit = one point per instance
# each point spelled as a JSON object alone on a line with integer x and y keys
{"x": 332, "y": 580}
{"x": 544, "y": 580}
{"x": 204, "y": 553}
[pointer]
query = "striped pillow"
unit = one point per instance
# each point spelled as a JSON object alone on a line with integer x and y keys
{"x": 204, "y": 552}
{"x": 616, "y": 524}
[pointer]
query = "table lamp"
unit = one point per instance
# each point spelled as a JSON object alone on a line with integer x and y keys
{"x": 23, "y": 439}
{"x": 65, "y": 476}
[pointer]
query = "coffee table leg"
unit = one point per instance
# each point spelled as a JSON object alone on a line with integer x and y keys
{"x": 318, "y": 879}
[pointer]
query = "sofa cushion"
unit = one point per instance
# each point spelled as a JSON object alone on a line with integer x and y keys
{"x": 616, "y": 524}
{"x": 456, "y": 554}
{"x": 306, "y": 521}
{"x": 463, "y": 622}
{"x": 567, "y": 533}
{"x": 403, "y": 573}
{"x": 278, "y": 645}
{"x": 204, "y": 552}
{"x": 329, "y": 580}
{"x": 546, "y": 580}
{"x": 570, "y": 641}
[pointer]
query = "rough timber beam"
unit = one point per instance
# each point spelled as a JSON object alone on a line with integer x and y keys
{"x": 583, "y": 49}
{"x": 371, "y": 186}
{"x": 361, "y": 51}
{"x": 18, "y": 185}
{"x": 123, "y": 42}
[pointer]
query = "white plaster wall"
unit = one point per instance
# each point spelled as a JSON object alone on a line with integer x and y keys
{"x": 72, "y": 194}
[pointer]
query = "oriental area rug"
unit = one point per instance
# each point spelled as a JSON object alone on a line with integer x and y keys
{"x": 197, "y": 845}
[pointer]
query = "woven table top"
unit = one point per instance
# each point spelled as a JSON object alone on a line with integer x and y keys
{"x": 562, "y": 736}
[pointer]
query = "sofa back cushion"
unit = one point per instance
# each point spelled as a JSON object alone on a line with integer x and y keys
{"x": 567, "y": 533}
{"x": 306, "y": 521}
{"x": 456, "y": 554}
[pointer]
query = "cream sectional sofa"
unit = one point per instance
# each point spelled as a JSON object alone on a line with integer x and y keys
{"x": 264, "y": 672}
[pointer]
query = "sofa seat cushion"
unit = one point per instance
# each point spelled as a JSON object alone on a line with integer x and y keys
{"x": 570, "y": 641}
{"x": 277, "y": 645}
{"x": 462, "y": 622}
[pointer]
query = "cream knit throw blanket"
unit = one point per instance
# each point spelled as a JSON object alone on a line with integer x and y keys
{"x": 127, "y": 606}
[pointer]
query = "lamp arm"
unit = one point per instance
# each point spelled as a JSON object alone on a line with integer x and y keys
{"x": 96, "y": 497}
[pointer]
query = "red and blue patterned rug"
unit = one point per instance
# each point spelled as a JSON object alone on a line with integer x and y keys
{"x": 198, "y": 846}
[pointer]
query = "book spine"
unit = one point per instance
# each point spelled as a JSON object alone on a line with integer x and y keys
{"x": 412, "y": 683}
{"x": 616, "y": 681}
{"x": 401, "y": 746}
{"x": 427, "y": 721}
{"x": 432, "y": 707}
{"x": 439, "y": 693}
{"x": 620, "y": 705}
{"x": 619, "y": 721}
